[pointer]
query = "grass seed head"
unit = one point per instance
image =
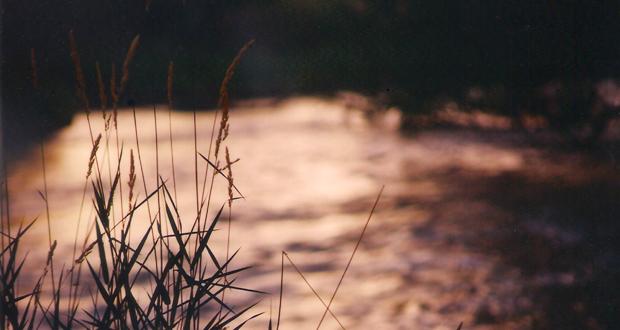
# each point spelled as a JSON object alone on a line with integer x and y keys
{"x": 131, "y": 53}
{"x": 132, "y": 177}
{"x": 103, "y": 100}
{"x": 79, "y": 73}
{"x": 223, "y": 97}
{"x": 230, "y": 178}
{"x": 93, "y": 156}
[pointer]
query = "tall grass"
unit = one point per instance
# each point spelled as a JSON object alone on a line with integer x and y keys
{"x": 185, "y": 281}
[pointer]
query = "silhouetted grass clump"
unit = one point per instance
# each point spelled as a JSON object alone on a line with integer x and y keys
{"x": 186, "y": 282}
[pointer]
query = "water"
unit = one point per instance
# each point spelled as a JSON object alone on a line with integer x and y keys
{"x": 466, "y": 229}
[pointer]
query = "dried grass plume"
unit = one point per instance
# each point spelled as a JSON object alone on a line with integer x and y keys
{"x": 223, "y": 99}
{"x": 93, "y": 155}
{"x": 79, "y": 73}
{"x": 103, "y": 100}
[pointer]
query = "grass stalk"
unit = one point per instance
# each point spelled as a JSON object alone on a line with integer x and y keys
{"x": 47, "y": 211}
{"x": 169, "y": 84}
{"x": 148, "y": 206}
{"x": 312, "y": 288}
{"x": 281, "y": 291}
{"x": 357, "y": 244}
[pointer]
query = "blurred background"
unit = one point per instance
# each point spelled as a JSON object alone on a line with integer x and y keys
{"x": 535, "y": 56}
{"x": 492, "y": 124}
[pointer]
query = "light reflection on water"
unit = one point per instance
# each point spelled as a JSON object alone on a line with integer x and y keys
{"x": 310, "y": 170}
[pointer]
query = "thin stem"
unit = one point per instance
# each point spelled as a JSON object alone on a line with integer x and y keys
{"x": 148, "y": 205}
{"x": 359, "y": 240}
{"x": 311, "y": 288}
{"x": 75, "y": 239}
{"x": 118, "y": 159}
{"x": 47, "y": 214}
{"x": 174, "y": 177}
{"x": 196, "y": 166}
{"x": 281, "y": 291}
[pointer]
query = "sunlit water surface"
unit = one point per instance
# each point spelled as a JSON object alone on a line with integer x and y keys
{"x": 310, "y": 170}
